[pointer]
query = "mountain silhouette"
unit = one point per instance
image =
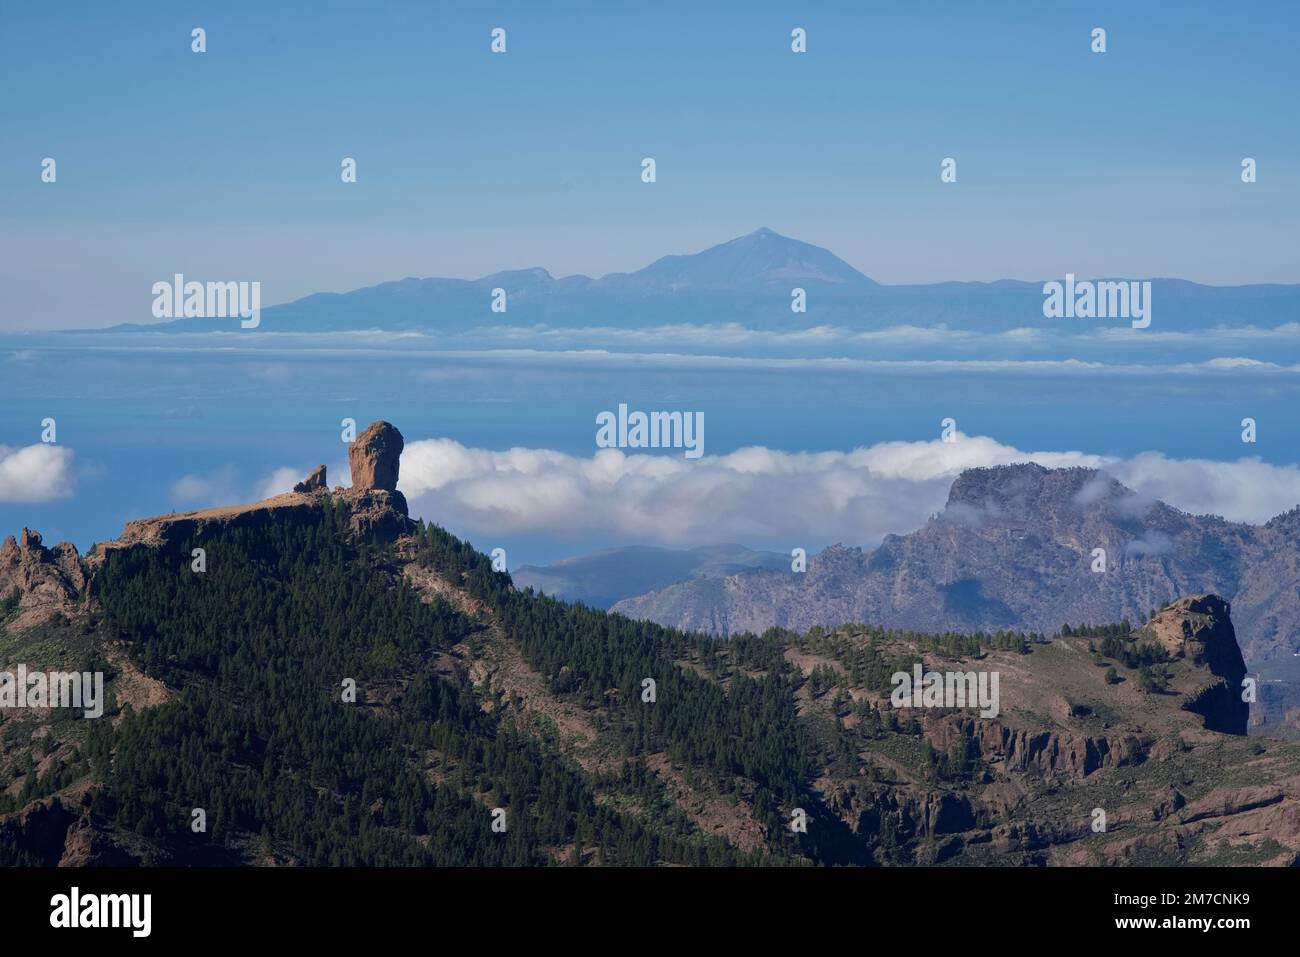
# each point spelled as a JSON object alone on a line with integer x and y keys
{"x": 747, "y": 280}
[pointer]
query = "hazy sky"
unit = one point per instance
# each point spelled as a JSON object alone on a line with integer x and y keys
{"x": 225, "y": 165}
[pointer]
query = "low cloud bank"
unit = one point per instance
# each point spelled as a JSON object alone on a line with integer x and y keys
{"x": 759, "y": 495}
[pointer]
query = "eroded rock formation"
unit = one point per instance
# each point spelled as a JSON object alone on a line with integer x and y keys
{"x": 314, "y": 481}
{"x": 1199, "y": 629}
{"x": 374, "y": 457}
{"x": 42, "y": 580}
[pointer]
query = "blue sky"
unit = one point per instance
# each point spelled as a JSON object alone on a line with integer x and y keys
{"x": 227, "y": 163}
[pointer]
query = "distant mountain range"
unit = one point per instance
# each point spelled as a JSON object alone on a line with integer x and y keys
{"x": 747, "y": 280}
{"x": 603, "y": 578}
{"x": 1013, "y": 548}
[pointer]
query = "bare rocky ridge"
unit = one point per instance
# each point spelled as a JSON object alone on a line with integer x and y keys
{"x": 1013, "y": 549}
{"x": 377, "y": 509}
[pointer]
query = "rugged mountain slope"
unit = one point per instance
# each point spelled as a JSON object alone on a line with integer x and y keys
{"x": 597, "y": 739}
{"x": 1013, "y": 548}
{"x": 1088, "y": 763}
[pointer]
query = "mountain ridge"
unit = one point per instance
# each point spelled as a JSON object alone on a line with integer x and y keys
{"x": 747, "y": 279}
{"x": 1013, "y": 548}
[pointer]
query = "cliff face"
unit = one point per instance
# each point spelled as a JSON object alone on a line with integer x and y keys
{"x": 375, "y": 455}
{"x": 1013, "y": 548}
{"x": 1199, "y": 630}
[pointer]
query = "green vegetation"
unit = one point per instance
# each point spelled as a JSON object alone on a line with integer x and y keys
{"x": 1120, "y": 643}
{"x": 260, "y": 737}
{"x": 747, "y": 729}
{"x": 256, "y": 654}
{"x": 9, "y": 604}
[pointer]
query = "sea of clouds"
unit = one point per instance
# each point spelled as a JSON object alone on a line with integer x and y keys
{"x": 754, "y": 495}
{"x": 762, "y": 496}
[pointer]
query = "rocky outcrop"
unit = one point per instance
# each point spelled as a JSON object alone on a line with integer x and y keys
{"x": 1198, "y": 629}
{"x": 1039, "y": 752}
{"x": 38, "y": 832}
{"x": 43, "y": 581}
{"x": 1225, "y": 802}
{"x": 376, "y": 514}
{"x": 377, "y": 511}
{"x": 919, "y": 814}
{"x": 55, "y": 832}
{"x": 375, "y": 455}
{"x": 69, "y": 563}
{"x": 314, "y": 481}
{"x": 88, "y": 844}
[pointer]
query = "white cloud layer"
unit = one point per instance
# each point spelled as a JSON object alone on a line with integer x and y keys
{"x": 35, "y": 473}
{"x": 764, "y": 496}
